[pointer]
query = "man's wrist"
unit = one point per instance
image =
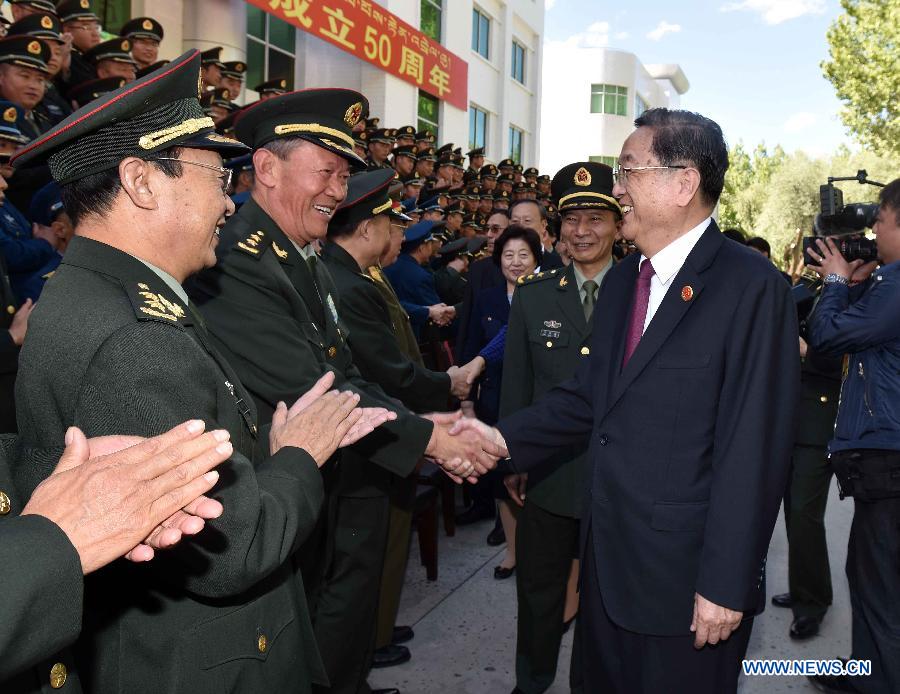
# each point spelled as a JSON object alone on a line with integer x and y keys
{"x": 835, "y": 278}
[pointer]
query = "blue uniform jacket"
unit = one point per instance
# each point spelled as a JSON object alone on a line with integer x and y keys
{"x": 25, "y": 255}
{"x": 864, "y": 323}
{"x": 415, "y": 289}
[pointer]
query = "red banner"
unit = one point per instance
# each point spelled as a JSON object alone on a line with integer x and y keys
{"x": 373, "y": 34}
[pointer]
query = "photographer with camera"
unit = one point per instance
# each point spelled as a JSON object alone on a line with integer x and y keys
{"x": 857, "y": 315}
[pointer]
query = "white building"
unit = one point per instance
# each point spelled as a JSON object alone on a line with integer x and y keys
{"x": 500, "y": 40}
{"x": 591, "y": 97}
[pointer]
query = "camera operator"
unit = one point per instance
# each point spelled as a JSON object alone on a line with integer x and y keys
{"x": 857, "y": 315}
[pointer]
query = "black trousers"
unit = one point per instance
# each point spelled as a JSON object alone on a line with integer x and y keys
{"x": 873, "y": 573}
{"x": 809, "y": 573}
{"x": 618, "y": 661}
{"x": 545, "y": 546}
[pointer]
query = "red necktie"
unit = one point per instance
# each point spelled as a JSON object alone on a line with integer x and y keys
{"x": 638, "y": 309}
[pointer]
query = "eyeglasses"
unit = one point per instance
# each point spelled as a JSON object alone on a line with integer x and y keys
{"x": 226, "y": 173}
{"x": 620, "y": 173}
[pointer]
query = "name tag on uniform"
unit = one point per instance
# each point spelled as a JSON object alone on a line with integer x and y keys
{"x": 549, "y": 333}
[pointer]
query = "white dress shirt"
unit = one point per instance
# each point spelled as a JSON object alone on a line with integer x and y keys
{"x": 666, "y": 264}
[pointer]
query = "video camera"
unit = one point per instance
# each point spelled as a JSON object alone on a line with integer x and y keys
{"x": 838, "y": 220}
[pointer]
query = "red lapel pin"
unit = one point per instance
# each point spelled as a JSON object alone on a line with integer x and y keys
{"x": 687, "y": 293}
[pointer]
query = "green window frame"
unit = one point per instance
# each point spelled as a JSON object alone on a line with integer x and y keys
{"x": 609, "y": 98}
{"x": 271, "y": 48}
{"x": 430, "y": 18}
{"x": 516, "y": 137}
{"x": 429, "y": 114}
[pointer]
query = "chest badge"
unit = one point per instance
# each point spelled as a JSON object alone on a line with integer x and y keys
{"x": 332, "y": 308}
{"x": 687, "y": 293}
{"x": 552, "y": 324}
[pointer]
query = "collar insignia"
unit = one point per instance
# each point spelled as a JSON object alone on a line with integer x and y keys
{"x": 281, "y": 253}
{"x": 563, "y": 282}
{"x": 158, "y": 306}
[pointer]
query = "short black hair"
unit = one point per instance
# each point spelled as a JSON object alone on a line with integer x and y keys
{"x": 889, "y": 197}
{"x": 735, "y": 235}
{"x": 515, "y": 203}
{"x": 760, "y": 244}
{"x": 95, "y": 194}
{"x": 684, "y": 137}
{"x": 516, "y": 231}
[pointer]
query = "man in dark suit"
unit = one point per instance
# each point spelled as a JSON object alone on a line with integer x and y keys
{"x": 687, "y": 404}
{"x": 547, "y": 338}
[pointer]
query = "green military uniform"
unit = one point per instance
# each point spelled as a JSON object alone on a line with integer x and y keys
{"x": 42, "y": 591}
{"x": 547, "y": 339}
{"x": 115, "y": 348}
{"x": 9, "y": 352}
{"x": 450, "y": 285}
{"x": 809, "y": 573}
{"x": 275, "y": 317}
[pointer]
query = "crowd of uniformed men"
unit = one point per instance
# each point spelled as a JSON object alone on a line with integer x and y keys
{"x": 395, "y": 283}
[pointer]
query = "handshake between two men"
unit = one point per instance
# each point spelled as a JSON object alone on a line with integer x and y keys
{"x": 465, "y": 448}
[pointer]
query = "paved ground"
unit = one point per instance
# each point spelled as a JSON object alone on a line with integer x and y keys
{"x": 465, "y": 621}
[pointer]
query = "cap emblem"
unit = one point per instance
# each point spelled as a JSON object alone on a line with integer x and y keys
{"x": 126, "y": 45}
{"x": 582, "y": 177}
{"x": 85, "y": 4}
{"x": 10, "y": 115}
{"x": 147, "y": 24}
{"x": 283, "y": 84}
{"x": 46, "y": 22}
{"x": 351, "y": 117}
{"x": 34, "y": 48}
{"x": 239, "y": 67}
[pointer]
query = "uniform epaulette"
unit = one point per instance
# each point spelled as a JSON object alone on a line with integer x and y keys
{"x": 152, "y": 305}
{"x": 537, "y": 277}
{"x": 253, "y": 245}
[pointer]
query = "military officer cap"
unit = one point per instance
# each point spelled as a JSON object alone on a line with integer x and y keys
{"x": 212, "y": 56}
{"x": 372, "y": 123}
{"x": 410, "y": 205}
{"x": 518, "y": 168}
{"x": 584, "y": 185}
{"x": 507, "y": 164}
{"x": 406, "y": 131}
{"x": 117, "y": 50}
{"x": 46, "y": 204}
{"x": 143, "y": 72}
{"x": 424, "y": 136}
{"x": 431, "y": 204}
{"x": 39, "y": 5}
{"x": 455, "y": 208}
{"x": 452, "y": 249}
{"x": 12, "y": 116}
{"x": 445, "y": 149}
{"x": 506, "y": 178}
{"x": 418, "y": 234}
{"x": 275, "y": 86}
{"x": 488, "y": 171}
{"x": 445, "y": 160}
{"x": 487, "y": 195}
{"x": 220, "y": 96}
{"x": 543, "y": 178}
{"x": 43, "y": 26}
{"x": 427, "y": 155}
{"x": 324, "y": 117}
{"x": 471, "y": 176}
{"x": 475, "y": 245}
{"x": 405, "y": 151}
{"x": 367, "y": 196}
{"x": 531, "y": 171}
{"x": 414, "y": 180}
{"x": 472, "y": 221}
{"x": 471, "y": 193}
{"x": 501, "y": 195}
{"x": 384, "y": 135}
{"x": 457, "y": 163}
{"x": 93, "y": 89}
{"x": 236, "y": 69}
{"x": 361, "y": 139}
{"x": 142, "y": 28}
{"x": 142, "y": 118}
{"x": 73, "y": 10}
{"x": 477, "y": 152}
{"x": 25, "y": 51}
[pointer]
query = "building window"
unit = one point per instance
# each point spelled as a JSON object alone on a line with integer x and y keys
{"x": 515, "y": 144}
{"x": 609, "y": 161}
{"x": 429, "y": 109}
{"x": 271, "y": 48}
{"x": 608, "y": 98}
{"x": 639, "y": 106}
{"x": 478, "y": 121}
{"x": 481, "y": 33}
{"x": 518, "y": 62}
{"x": 430, "y": 18}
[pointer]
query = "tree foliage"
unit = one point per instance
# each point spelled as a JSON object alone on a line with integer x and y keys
{"x": 864, "y": 45}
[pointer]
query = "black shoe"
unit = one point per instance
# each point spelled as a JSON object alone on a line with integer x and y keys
{"x": 402, "y": 635}
{"x": 832, "y": 683}
{"x": 388, "y": 656}
{"x": 804, "y": 628}
{"x": 473, "y": 514}
{"x": 496, "y": 537}
{"x": 501, "y": 572}
{"x": 783, "y": 600}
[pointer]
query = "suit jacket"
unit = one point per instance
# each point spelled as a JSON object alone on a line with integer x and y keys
{"x": 373, "y": 338}
{"x": 42, "y": 592}
{"x": 277, "y": 322}
{"x": 482, "y": 274}
{"x": 689, "y": 444}
{"x": 415, "y": 288}
{"x": 112, "y": 350}
{"x": 550, "y": 260}
{"x": 489, "y": 314}
{"x": 547, "y": 339}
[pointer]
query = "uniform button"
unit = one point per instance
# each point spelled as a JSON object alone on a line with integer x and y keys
{"x": 331, "y": 352}
{"x": 58, "y": 675}
{"x": 549, "y": 344}
{"x": 10, "y": 310}
{"x": 5, "y": 506}
{"x": 262, "y": 643}
{"x": 603, "y": 439}
{"x": 585, "y": 350}
{"x": 824, "y": 398}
